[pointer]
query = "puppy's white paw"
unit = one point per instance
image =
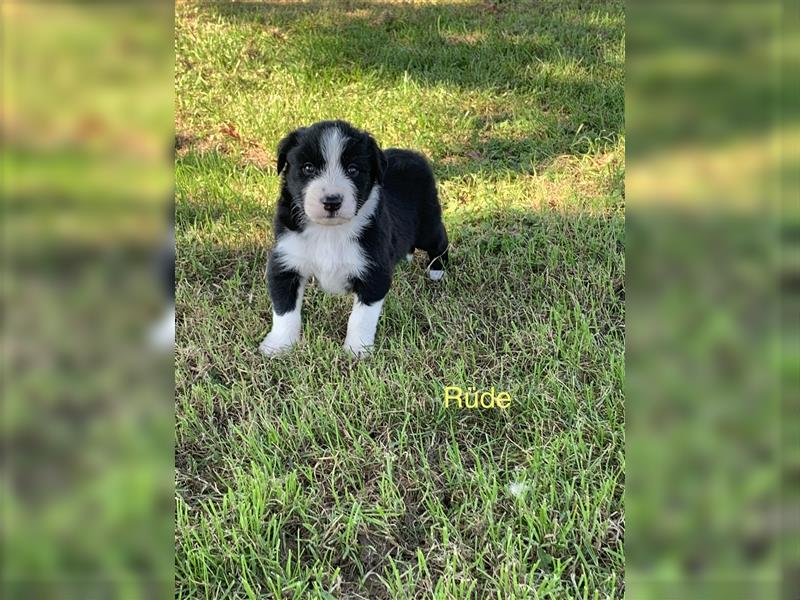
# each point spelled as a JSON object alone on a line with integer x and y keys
{"x": 357, "y": 350}
{"x": 436, "y": 275}
{"x": 275, "y": 344}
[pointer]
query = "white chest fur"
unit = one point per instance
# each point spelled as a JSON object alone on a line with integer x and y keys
{"x": 331, "y": 254}
{"x": 331, "y": 257}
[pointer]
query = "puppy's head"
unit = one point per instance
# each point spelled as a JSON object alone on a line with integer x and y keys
{"x": 330, "y": 169}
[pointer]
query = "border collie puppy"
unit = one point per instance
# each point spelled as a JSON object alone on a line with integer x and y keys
{"x": 347, "y": 214}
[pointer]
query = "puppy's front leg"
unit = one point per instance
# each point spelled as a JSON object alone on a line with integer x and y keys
{"x": 286, "y": 289}
{"x": 361, "y": 326}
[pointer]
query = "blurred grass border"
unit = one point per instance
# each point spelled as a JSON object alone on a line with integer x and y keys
{"x": 87, "y": 131}
{"x": 701, "y": 81}
{"x": 711, "y": 358}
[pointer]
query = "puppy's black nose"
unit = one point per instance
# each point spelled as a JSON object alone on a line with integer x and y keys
{"x": 332, "y": 203}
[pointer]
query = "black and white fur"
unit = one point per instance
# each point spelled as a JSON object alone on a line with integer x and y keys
{"x": 348, "y": 212}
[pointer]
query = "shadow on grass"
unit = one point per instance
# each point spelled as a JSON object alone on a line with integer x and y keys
{"x": 534, "y": 299}
{"x": 511, "y": 280}
{"x": 516, "y": 283}
{"x": 538, "y": 259}
{"x": 559, "y": 61}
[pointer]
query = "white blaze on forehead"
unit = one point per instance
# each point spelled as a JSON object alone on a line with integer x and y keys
{"x": 333, "y": 141}
{"x": 333, "y": 178}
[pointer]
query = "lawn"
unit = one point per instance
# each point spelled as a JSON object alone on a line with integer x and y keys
{"x": 316, "y": 476}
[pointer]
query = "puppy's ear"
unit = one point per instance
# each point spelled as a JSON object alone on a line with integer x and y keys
{"x": 379, "y": 161}
{"x": 286, "y": 144}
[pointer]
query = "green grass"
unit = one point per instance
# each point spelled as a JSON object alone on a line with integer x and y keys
{"x": 313, "y": 475}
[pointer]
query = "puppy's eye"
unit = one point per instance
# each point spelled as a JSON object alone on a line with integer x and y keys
{"x": 309, "y": 169}
{"x": 352, "y": 170}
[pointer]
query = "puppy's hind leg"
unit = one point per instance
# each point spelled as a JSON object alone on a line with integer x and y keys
{"x": 437, "y": 254}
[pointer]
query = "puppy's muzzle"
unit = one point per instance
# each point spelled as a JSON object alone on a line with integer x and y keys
{"x": 332, "y": 203}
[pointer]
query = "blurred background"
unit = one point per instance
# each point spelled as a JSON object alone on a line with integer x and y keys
{"x": 87, "y": 418}
{"x": 713, "y": 240}
{"x": 711, "y": 347}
